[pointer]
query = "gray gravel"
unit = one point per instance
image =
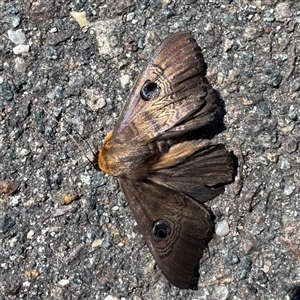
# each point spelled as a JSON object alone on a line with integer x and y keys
{"x": 66, "y": 231}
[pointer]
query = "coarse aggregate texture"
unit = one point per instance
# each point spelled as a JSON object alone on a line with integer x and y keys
{"x": 66, "y": 231}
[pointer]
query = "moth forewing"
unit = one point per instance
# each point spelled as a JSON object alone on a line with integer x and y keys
{"x": 185, "y": 101}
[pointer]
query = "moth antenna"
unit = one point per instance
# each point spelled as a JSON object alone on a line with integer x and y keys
{"x": 92, "y": 162}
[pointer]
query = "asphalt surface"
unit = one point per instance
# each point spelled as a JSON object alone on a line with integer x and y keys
{"x": 66, "y": 231}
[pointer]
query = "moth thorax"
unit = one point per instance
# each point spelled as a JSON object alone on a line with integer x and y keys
{"x": 102, "y": 163}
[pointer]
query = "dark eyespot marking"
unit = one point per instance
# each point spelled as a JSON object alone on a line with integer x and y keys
{"x": 149, "y": 90}
{"x": 160, "y": 230}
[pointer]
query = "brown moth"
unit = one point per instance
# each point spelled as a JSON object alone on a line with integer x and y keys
{"x": 164, "y": 174}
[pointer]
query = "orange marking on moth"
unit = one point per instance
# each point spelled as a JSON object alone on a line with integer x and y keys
{"x": 104, "y": 162}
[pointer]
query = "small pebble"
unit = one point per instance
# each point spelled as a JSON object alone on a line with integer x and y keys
{"x": 20, "y": 64}
{"x": 285, "y": 164}
{"x": 15, "y": 21}
{"x": 125, "y": 80}
{"x": 8, "y": 187}
{"x": 287, "y": 129}
{"x": 245, "y": 267}
{"x": 296, "y": 86}
{"x": 257, "y": 229}
{"x": 97, "y": 243}
{"x": 293, "y": 115}
{"x": 282, "y": 12}
{"x": 288, "y": 188}
{"x": 222, "y": 228}
{"x": 233, "y": 258}
{"x": 16, "y": 36}
{"x": 250, "y": 32}
{"x": 32, "y": 274}
{"x": 263, "y": 160}
{"x": 264, "y": 110}
{"x": 266, "y": 268}
{"x": 269, "y": 15}
{"x": 68, "y": 197}
{"x": 86, "y": 179}
{"x": 273, "y": 157}
{"x": 26, "y": 284}
{"x": 80, "y": 18}
{"x": 275, "y": 79}
{"x": 64, "y": 282}
{"x": 290, "y": 145}
{"x": 221, "y": 293}
{"x": 130, "y": 17}
{"x": 21, "y": 49}
{"x": 115, "y": 208}
{"x": 30, "y": 234}
{"x": 24, "y": 152}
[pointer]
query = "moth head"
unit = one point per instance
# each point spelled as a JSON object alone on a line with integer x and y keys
{"x": 149, "y": 90}
{"x": 104, "y": 161}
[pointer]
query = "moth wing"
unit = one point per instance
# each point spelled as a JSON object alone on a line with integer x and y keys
{"x": 190, "y": 225}
{"x": 186, "y": 100}
{"x": 200, "y": 175}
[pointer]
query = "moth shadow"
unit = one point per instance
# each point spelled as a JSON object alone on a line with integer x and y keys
{"x": 295, "y": 295}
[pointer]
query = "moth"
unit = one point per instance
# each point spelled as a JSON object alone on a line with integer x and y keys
{"x": 164, "y": 173}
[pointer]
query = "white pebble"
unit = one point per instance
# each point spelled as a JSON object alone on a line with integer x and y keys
{"x": 30, "y": 234}
{"x": 21, "y": 49}
{"x": 17, "y": 37}
{"x": 97, "y": 243}
{"x": 64, "y": 282}
{"x": 222, "y": 228}
{"x": 15, "y": 200}
{"x": 125, "y": 80}
{"x": 221, "y": 293}
{"x": 26, "y": 284}
{"x": 20, "y": 64}
{"x": 288, "y": 188}
{"x": 130, "y": 17}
